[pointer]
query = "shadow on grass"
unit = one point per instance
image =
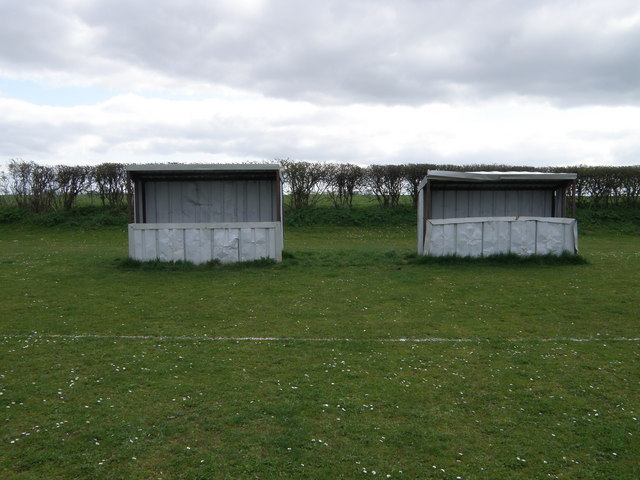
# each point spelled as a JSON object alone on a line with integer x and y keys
{"x": 394, "y": 258}
{"x": 351, "y": 259}
{"x": 509, "y": 259}
{"x": 181, "y": 266}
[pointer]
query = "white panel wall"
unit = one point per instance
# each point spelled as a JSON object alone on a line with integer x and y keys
{"x": 201, "y": 242}
{"x": 469, "y": 240}
{"x": 496, "y": 237}
{"x": 226, "y": 244}
{"x": 484, "y": 236}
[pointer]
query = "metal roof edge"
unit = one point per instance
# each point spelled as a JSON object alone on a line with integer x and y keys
{"x": 448, "y": 175}
{"x": 202, "y": 167}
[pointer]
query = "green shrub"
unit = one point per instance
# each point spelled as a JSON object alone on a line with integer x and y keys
{"x": 12, "y": 215}
{"x": 90, "y": 216}
{"x": 360, "y": 216}
{"x": 619, "y": 218}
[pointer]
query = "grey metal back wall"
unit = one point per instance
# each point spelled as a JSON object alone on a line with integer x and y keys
{"x": 490, "y": 203}
{"x": 210, "y": 201}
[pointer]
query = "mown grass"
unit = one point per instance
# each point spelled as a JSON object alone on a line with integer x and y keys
{"x": 197, "y": 409}
{"x": 348, "y": 281}
{"x": 516, "y": 400}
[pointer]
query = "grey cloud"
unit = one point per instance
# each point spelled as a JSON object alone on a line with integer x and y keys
{"x": 405, "y": 52}
{"x": 42, "y": 36}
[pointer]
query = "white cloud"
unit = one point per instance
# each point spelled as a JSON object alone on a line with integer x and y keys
{"x": 134, "y": 128}
{"x": 409, "y": 52}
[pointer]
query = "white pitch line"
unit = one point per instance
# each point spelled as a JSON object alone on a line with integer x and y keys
{"x": 330, "y": 339}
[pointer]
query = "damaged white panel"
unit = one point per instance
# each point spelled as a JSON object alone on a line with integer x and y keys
{"x": 449, "y": 239}
{"x": 261, "y": 242}
{"x": 132, "y": 240}
{"x": 170, "y": 243}
{"x": 149, "y": 244}
{"x": 225, "y": 244}
{"x": 434, "y": 241}
{"x": 496, "y": 237}
{"x": 165, "y": 249}
{"x": 199, "y": 243}
{"x": 176, "y": 243}
{"x": 571, "y": 237}
{"x": 549, "y": 238}
{"x": 469, "y": 239}
{"x": 272, "y": 242}
{"x": 483, "y": 236}
{"x": 248, "y": 249}
{"x": 523, "y": 238}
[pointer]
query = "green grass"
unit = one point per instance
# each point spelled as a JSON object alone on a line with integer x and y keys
{"x": 192, "y": 407}
{"x": 196, "y": 409}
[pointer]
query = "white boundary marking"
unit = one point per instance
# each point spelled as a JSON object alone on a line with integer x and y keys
{"x": 311, "y": 339}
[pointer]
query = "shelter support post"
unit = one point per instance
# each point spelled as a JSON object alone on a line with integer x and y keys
{"x": 129, "y": 198}
{"x": 425, "y": 211}
{"x": 137, "y": 190}
{"x": 278, "y": 198}
{"x": 573, "y": 198}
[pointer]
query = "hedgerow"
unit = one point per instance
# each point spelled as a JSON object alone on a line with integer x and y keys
{"x": 41, "y": 188}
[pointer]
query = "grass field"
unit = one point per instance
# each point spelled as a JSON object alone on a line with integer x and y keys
{"x": 112, "y": 372}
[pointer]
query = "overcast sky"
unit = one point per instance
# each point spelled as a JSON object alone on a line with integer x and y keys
{"x": 521, "y": 82}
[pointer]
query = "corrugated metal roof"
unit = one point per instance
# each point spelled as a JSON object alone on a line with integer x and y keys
{"x": 479, "y": 177}
{"x": 498, "y": 176}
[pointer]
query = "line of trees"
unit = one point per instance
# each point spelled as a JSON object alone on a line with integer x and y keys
{"x": 41, "y": 188}
{"x": 306, "y": 181}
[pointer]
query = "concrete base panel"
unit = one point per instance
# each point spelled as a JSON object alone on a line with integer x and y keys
{"x": 484, "y": 236}
{"x": 201, "y": 242}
